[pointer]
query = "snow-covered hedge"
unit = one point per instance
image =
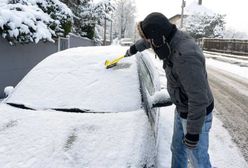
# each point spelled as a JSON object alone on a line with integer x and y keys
{"x": 203, "y": 22}
{"x": 202, "y": 25}
{"x": 24, "y": 21}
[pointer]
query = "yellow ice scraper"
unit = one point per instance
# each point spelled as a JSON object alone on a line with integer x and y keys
{"x": 112, "y": 63}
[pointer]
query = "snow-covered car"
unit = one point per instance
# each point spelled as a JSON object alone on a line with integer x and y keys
{"x": 126, "y": 42}
{"x": 70, "y": 111}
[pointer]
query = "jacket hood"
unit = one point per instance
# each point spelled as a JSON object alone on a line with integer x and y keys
{"x": 155, "y": 25}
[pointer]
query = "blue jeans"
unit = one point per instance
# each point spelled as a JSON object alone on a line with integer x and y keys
{"x": 198, "y": 157}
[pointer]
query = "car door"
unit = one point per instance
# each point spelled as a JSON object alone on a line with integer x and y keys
{"x": 148, "y": 85}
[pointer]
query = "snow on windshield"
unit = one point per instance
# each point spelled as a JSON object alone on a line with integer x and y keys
{"x": 77, "y": 78}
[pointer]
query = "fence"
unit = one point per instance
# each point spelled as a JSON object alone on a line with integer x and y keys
{"x": 230, "y": 46}
{"x": 16, "y": 61}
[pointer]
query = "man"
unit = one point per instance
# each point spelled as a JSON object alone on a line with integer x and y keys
{"x": 187, "y": 84}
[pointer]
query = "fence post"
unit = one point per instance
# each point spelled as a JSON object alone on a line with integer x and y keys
{"x": 104, "y": 34}
{"x": 59, "y": 40}
{"x": 69, "y": 41}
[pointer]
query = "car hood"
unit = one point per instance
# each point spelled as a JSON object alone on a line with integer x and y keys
{"x": 67, "y": 140}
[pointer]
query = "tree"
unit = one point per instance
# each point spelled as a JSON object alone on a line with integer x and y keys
{"x": 88, "y": 15}
{"x": 60, "y": 13}
{"x": 200, "y": 25}
{"x": 124, "y": 18}
{"x": 104, "y": 10}
{"x": 233, "y": 34}
{"x": 24, "y": 21}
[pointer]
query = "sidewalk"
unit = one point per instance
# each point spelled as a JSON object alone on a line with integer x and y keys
{"x": 230, "y": 58}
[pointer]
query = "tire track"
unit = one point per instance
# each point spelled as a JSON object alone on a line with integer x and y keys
{"x": 231, "y": 102}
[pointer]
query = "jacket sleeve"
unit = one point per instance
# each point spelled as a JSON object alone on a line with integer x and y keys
{"x": 141, "y": 45}
{"x": 192, "y": 75}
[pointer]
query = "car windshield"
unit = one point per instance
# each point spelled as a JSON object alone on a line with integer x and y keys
{"x": 77, "y": 79}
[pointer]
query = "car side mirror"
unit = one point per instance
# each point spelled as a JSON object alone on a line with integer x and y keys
{"x": 8, "y": 90}
{"x": 161, "y": 99}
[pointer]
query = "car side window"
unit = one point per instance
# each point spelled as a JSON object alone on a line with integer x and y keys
{"x": 146, "y": 78}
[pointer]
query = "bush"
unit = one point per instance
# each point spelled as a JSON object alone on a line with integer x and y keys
{"x": 25, "y": 21}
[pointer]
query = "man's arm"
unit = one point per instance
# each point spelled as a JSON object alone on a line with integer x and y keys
{"x": 192, "y": 76}
{"x": 139, "y": 45}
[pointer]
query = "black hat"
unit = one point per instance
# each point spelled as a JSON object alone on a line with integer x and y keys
{"x": 155, "y": 25}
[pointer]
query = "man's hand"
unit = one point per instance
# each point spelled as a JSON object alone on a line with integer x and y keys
{"x": 128, "y": 53}
{"x": 191, "y": 140}
{"x": 131, "y": 51}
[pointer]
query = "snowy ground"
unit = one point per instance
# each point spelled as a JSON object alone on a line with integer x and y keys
{"x": 223, "y": 151}
{"x": 238, "y": 70}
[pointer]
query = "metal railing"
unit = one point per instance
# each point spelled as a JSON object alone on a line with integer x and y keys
{"x": 229, "y": 46}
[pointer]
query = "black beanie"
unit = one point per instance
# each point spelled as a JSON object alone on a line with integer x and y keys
{"x": 156, "y": 25}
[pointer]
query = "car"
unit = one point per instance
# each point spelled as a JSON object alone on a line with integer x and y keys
{"x": 126, "y": 42}
{"x": 70, "y": 111}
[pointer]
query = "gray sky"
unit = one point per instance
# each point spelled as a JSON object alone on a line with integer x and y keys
{"x": 236, "y": 10}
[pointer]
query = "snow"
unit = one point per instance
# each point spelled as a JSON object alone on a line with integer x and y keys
{"x": 19, "y": 21}
{"x": 48, "y": 138}
{"x": 202, "y": 22}
{"x": 158, "y": 96}
{"x": 3, "y": 1}
{"x": 231, "y": 68}
{"x": 81, "y": 79}
{"x": 26, "y": 22}
{"x": 8, "y": 90}
{"x": 223, "y": 151}
{"x": 72, "y": 140}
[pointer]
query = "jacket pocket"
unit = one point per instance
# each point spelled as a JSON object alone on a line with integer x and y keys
{"x": 183, "y": 97}
{"x": 177, "y": 96}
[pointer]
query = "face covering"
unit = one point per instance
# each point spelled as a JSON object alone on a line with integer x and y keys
{"x": 161, "y": 47}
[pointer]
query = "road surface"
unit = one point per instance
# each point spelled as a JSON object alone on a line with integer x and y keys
{"x": 231, "y": 103}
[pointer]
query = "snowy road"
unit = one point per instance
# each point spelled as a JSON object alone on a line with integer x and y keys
{"x": 231, "y": 101}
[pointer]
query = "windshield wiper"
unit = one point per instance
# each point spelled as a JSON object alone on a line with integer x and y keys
{"x": 72, "y": 110}
{"x": 22, "y": 106}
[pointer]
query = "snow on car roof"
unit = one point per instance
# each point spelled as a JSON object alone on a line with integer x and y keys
{"x": 77, "y": 78}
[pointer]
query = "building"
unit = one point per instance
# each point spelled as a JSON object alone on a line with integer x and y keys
{"x": 176, "y": 19}
{"x": 195, "y": 7}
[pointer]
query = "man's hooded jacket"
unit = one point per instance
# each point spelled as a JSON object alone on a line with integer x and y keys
{"x": 184, "y": 64}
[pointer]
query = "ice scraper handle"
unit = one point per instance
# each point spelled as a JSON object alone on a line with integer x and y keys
{"x": 112, "y": 63}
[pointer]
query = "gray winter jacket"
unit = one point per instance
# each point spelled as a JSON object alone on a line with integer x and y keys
{"x": 187, "y": 81}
